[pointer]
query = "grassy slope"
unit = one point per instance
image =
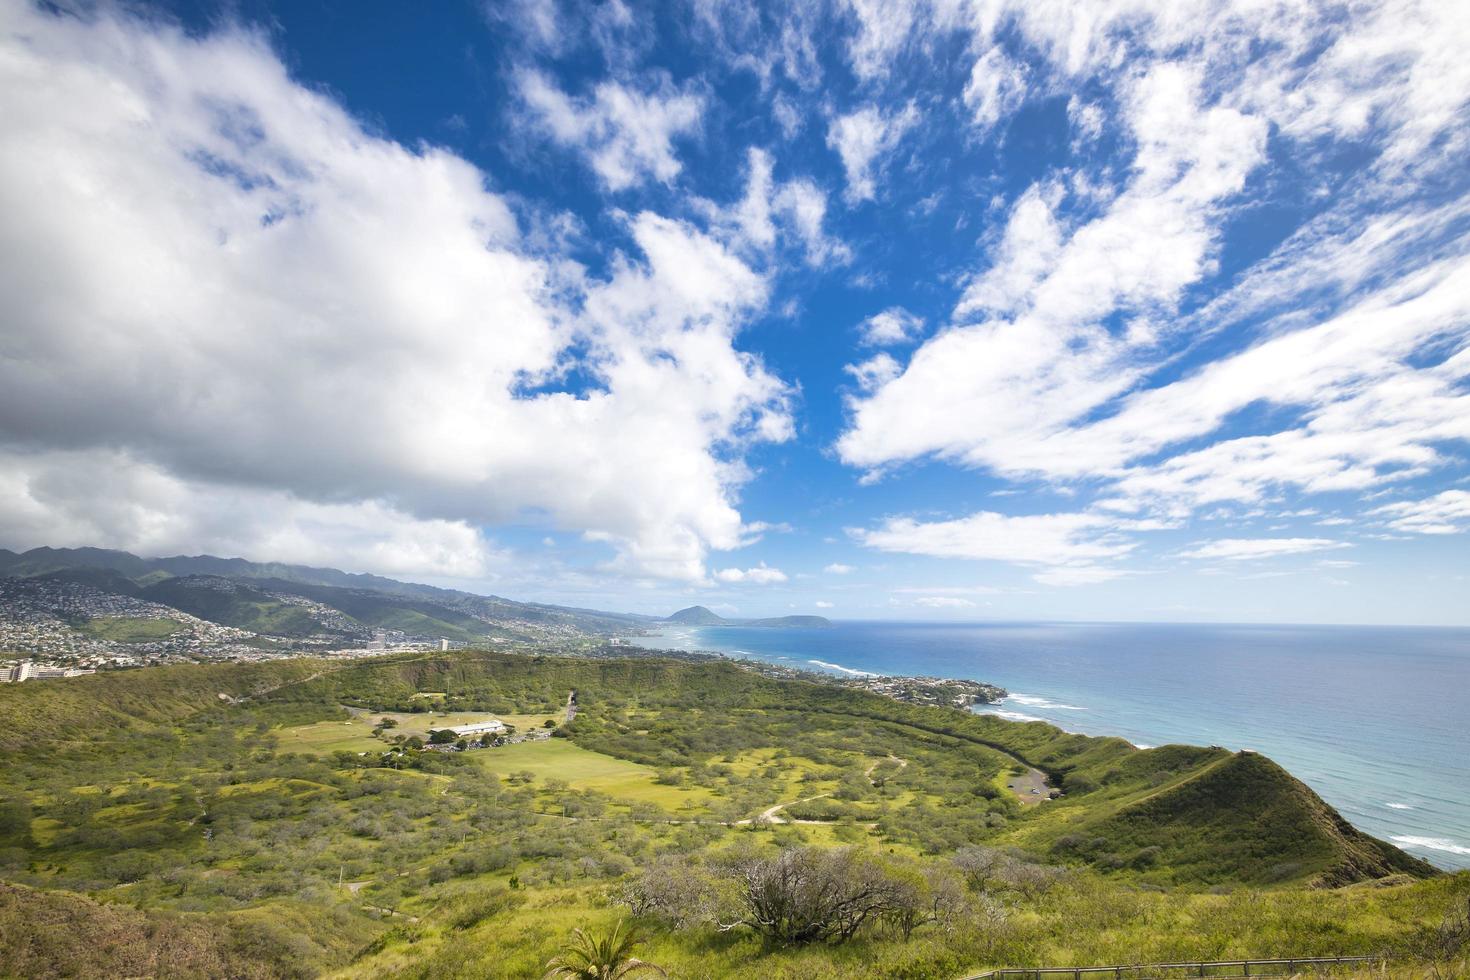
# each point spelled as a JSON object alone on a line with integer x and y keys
{"x": 1214, "y": 816}
{"x": 1250, "y": 813}
{"x": 121, "y": 629}
{"x": 244, "y": 608}
{"x": 80, "y": 707}
{"x": 61, "y": 934}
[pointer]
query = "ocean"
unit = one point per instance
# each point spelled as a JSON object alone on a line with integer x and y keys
{"x": 1375, "y": 719}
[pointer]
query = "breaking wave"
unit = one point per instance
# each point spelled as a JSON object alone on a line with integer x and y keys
{"x": 850, "y": 671}
{"x": 1433, "y": 844}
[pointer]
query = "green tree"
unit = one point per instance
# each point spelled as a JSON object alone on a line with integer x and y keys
{"x": 606, "y": 955}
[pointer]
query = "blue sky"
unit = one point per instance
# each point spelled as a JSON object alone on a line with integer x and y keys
{"x": 965, "y": 310}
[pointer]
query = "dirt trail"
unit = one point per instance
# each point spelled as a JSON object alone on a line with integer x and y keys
{"x": 773, "y": 814}
{"x": 868, "y": 772}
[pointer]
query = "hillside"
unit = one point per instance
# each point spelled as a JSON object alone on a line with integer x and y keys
{"x": 223, "y": 601}
{"x": 224, "y": 803}
{"x": 695, "y": 616}
{"x": 54, "y": 596}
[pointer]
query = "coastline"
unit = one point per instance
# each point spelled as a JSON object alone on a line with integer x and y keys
{"x": 1156, "y": 684}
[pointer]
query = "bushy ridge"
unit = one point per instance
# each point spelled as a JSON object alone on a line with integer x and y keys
{"x": 83, "y": 708}
{"x": 1246, "y": 812}
{"x": 59, "y": 934}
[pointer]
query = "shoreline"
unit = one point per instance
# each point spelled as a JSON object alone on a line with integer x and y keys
{"x": 1353, "y": 765}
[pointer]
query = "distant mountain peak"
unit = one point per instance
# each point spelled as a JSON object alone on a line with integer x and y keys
{"x": 701, "y": 616}
{"x": 696, "y": 616}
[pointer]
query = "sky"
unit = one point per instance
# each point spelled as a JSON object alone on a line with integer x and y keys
{"x": 888, "y": 309}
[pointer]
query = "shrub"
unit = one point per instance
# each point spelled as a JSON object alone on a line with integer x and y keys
{"x": 467, "y": 910}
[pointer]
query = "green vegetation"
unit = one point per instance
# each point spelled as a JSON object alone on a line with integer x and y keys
{"x": 601, "y": 956}
{"x": 123, "y": 629}
{"x": 274, "y": 819}
{"x": 232, "y": 605}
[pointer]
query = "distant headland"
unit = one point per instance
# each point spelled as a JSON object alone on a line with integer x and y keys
{"x": 701, "y": 616}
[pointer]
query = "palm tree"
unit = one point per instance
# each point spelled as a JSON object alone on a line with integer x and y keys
{"x": 605, "y": 956}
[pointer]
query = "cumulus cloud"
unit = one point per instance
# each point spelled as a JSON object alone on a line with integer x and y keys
{"x": 759, "y": 575}
{"x": 217, "y": 275}
{"x": 894, "y": 325}
{"x": 110, "y": 499}
{"x": 1245, "y": 549}
{"x": 863, "y": 139}
{"x": 626, "y": 134}
{"x": 875, "y": 372}
{"x": 996, "y": 88}
{"x": 837, "y": 568}
{"x": 882, "y": 28}
{"x": 797, "y": 207}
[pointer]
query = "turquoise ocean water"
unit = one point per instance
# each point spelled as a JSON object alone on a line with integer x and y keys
{"x": 1376, "y": 720}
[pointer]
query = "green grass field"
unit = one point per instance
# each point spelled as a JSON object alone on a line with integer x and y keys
{"x": 355, "y": 734}
{"x": 326, "y": 737}
{"x": 124, "y": 629}
{"x": 625, "y": 782}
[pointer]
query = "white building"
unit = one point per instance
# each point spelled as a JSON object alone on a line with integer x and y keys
{"x": 30, "y": 670}
{"x": 491, "y": 727}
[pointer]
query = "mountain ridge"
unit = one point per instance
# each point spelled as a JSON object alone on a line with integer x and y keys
{"x": 75, "y": 602}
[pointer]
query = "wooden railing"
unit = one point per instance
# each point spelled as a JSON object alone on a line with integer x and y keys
{"x": 1149, "y": 971}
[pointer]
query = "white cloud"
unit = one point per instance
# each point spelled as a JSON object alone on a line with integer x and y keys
{"x": 1047, "y": 539}
{"x": 627, "y": 135}
{"x": 104, "y": 498}
{"x": 1444, "y": 513}
{"x": 759, "y": 575}
{"x": 960, "y": 590}
{"x": 799, "y": 207}
{"x": 823, "y": 604}
{"x": 943, "y": 602}
{"x": 837, "y": 568}
{"x": 882, "y": 28}
{"x": 875, "y": 372}
{"x": 537, "y": 21}
{"x": 1069, "y": 575}
{"x": 787, "y": 116}
{"x": 894, "y": 325}
{"x": 991, "y": 392}
{"x": 221, "y": 275}
{"x": 996, "y": 88}
{"x": 1245, "y": 549}
{"x": 1062, "y": 364}
{"x": 862, "y": 139}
